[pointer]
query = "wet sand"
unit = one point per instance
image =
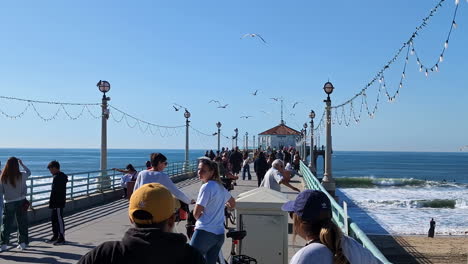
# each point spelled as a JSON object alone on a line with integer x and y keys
{"x": 421, "y": 249}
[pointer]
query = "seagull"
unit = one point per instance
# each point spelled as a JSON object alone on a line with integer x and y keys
{"x": 255, "y": 93}
{"x": 213, "y": 101}
{"x": 178, "y": 106}
{"x": 175, "y": 108}
{"x": 253, "y": 35}
{"x": 223, "y": 106}
{"x": 276, "y": 99}
{"x": 215, "y": 133}
{"x": 246, "y": 117}
{"x": 294, "y": 105}
{"x": 265, "y": 112}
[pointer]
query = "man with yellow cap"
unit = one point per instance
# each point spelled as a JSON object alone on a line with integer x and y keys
{"x": 151, "y": 210}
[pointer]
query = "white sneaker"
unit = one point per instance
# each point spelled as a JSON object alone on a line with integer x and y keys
{"x": 3, "y": 248}
{"x": 22, "y": 246}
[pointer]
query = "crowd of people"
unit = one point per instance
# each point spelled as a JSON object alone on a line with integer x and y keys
{"x": 156, "y": 200}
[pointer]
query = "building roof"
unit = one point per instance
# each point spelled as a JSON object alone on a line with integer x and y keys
{"x": 280, "y": 129}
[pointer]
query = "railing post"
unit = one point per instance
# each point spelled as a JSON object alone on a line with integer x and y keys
{"x": 72, "y": 185}
{"x": 345, "y": 220}
{"x": 31, "y": 188}
{"x": 113, "y": 181}
{"x": 87, "y": 185}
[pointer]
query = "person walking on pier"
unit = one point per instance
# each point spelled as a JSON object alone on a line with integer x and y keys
{"x": 246, "y": 166}
{"x": 152, "y": 212}
{"x": 13, "y": 188}
{"x": 277, "y": 175}
{"x": 156, "y": 175}
{"x": 326, "y": 244}
{"x": 57, "y": 202}
{"x": 260, "y": 167}
{"x": 208, "y": 237}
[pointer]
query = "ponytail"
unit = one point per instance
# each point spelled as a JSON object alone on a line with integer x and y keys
{"x": 330, "y": 236}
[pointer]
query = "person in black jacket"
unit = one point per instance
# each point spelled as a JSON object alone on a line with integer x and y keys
{"x": 57, "y": 202}
{"x": 260, "y": 167}
{"x": 151, "y": 210}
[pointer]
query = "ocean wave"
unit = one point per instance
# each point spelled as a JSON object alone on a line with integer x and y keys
{"x": 434, "y": 203}
{"x": 371, "y": 182}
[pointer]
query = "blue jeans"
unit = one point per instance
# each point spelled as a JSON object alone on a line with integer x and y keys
{"x": 244, "y": 170}
{"x": 208, "y": 244}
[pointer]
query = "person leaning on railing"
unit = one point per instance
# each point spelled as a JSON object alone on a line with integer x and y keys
{"x": 326, "y": 244}
{"x": 156, "y": 175}
{"x": 130, "y": 174}
{"x": 13, "y": 188}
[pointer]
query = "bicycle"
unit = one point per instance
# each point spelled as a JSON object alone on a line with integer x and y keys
{"x": 236, "y": 236}
{"x": 229, "y": 215}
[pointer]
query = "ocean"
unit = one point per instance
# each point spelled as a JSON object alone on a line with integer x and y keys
{"x": 386, "y": 192}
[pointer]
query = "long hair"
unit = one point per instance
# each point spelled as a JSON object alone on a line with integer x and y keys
{"x": 212, "y": 166}
{"x": 157, "y": 158}
{"x": 11, "y": 172}
{"x": 328, "y": 233}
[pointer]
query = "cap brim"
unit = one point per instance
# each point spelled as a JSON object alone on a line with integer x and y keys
{"x": 288, "y": 207}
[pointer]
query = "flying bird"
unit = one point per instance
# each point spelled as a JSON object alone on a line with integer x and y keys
{"x": 246, "y": 117}
{"x": 213, "y": 101}
{"x": 175, "y": 108}
{"x": 276, "y": 99}
{"x": 253, "y": 35}
{"x": 294, "y": 105}
{"x": 223, "y": 106}
{"x": 178, "y": 106}
{"x": 265, "y": 112}
{"x": 255, "y": 93}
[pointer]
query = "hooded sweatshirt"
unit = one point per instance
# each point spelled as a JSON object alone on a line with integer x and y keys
{"x": 59, "y": 190}
{"x": 145, "y": 245}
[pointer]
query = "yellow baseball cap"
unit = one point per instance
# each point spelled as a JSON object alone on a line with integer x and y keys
{"x": 155, "y": 199}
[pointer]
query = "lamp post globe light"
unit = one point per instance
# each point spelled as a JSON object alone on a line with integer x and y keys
{"x": 328, "y": 182}
{"x": 218, "y": 125}
{"x": 104, "y": 87}
{"x": 187, "y": 123}
{"x": 312, "y": 149}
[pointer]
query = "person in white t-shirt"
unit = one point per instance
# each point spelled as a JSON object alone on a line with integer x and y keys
{"x": 326, "y": 244}
{"x": 277, "y": 175}
{"x": 156, "y": 175}
{"x": 208, "y": 237}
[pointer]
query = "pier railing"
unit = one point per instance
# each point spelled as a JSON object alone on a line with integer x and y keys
{"x": 340, "y": 217}
{"x": 89, "y": 182}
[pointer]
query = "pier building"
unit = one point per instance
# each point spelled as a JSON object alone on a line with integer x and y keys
{"x": 278, "y": 137}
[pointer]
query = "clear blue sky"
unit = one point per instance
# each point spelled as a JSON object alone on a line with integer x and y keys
{"x": 155, "y": 53}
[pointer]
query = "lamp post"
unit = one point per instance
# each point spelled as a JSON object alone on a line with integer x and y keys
{"x": 301, "y": 151}
{"x": 328, "y": 182}
{"x": 237, "y": 133}
{"x": 104, "y": 87}
{"x": 253, "y": 143}
{"x": 219, "y": 134}
{"x": 247, "y": 141}
{"x": 305, "y": 143}
{"x": 187, "y": 122}
{"x": 312, "y": 152}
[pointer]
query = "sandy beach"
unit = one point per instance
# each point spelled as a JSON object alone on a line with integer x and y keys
{"x": 421, "y": 249}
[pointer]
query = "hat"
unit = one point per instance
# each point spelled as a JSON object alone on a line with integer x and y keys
{"x": 309, "y": 205}
{"x": 155, "y": 199}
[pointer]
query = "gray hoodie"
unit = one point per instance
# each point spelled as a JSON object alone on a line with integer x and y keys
{"x": 18, "y": 193}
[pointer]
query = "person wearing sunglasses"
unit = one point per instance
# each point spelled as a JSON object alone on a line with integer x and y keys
{"x": 156, "y": 174}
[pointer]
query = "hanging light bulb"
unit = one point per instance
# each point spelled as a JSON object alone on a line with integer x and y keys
{"x": 441, "y": 58}
{"x": 403, "y": 75}
{"x": 417, "y": 61}
{"x": 427, "y": 73}
{"x": 436, "y": 67}
{"x": 446, "y": 44}
{"x": 457, "y": 2}
{"x": 420, "y": 68}
{"x": 454, "y": 24}
{"x": 401, "y": 85}
{"x": 412, "y": 50}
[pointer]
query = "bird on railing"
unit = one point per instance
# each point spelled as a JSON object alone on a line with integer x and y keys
{"x": 253, "y": 35}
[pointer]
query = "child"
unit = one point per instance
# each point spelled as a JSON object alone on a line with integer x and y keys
{"x": 57, "y": 202}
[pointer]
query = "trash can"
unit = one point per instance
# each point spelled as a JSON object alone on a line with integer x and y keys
{"x": 259, "y": 213}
